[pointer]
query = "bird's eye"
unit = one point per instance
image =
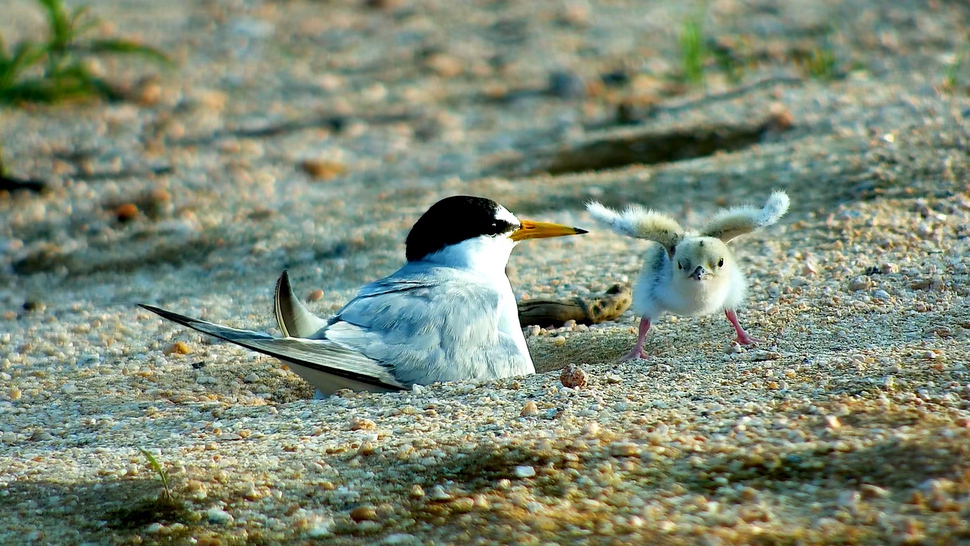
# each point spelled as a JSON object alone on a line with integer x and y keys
{"x": 679, "y": 266}
{"x": 720, "y": 263}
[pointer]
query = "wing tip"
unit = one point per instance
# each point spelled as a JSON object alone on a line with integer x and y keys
{"x": 776, "y": 207}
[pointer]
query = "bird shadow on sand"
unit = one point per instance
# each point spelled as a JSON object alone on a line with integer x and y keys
{"x": 100, "y": 508}
{"x": 567, "y": 470}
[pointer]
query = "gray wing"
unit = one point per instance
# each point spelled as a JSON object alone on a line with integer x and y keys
{"x": 430, "y": 324}
{"x": 326, "y": 365}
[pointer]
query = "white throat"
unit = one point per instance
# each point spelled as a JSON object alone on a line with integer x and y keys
{"x": 487, "y": 255}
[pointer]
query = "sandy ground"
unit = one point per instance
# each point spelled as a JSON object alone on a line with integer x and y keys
{"x": 309, "y": 135}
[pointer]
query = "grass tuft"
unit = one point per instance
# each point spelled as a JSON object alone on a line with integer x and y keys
{"x": 950, "y": 82}
{"x": 820, "y": 63}
{"x": 693, "y": 51}
{"x": 56, "y": 70}
{"x": 162, "y": 474}
{"x": 137, "y": 511}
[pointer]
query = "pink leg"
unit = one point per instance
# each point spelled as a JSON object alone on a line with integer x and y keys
{"x": 637, "y": 351}
{"x": 743, "y": 337}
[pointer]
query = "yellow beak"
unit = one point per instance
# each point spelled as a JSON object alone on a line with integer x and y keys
{"x": 540, "y": 230}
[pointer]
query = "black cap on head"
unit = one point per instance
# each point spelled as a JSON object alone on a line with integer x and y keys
{"x": 453, "y": 220}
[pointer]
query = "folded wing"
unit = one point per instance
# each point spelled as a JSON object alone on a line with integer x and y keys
{"x": 327, "y": 365}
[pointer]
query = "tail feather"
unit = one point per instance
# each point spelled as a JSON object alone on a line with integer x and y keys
{"x": 293, "y": 318}
{"x": 321, "y": 362}
{"x": 731, "y": 223}
{"x": 639, "y": 223}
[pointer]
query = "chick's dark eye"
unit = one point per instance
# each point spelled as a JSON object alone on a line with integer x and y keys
{"x": 720, "y": 263}
{"x": 679, "y": 266}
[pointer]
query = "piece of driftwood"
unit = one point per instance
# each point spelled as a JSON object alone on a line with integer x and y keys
{"x": 645, "y": 145}
{"x": 651, "y": 146}
{"x": 584, "y": 310}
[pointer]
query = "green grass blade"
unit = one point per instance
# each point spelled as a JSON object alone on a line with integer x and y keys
{"x": 127, "y": 47}
{"x": 153, "y": 463}
{"x": 44, "y": 90}
{"x": 693, "y": 51}
{"x": 60, "y": 25}
{"x": 24, "y": 57}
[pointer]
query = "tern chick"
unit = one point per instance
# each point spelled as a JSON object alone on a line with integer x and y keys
{"x": 688, "y": 273}
{"x": 448, "y": 314}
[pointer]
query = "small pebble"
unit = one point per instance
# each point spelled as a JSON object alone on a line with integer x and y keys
{"x": 321, "y": 527}
{"x": 126, "y": 212}
{"x": 888, "y": 268}
{"x": 861, "y": 282}
{"x": 781, "y": 118}
{"x": 315, "y": 295}
{"x": 809, "y": 267}
{"x": 566, "y": 85}
{"x": 575, "y": 14}
{"x": 321, "y": 169}
{"x": 573, "y": 377}
{"x": 218, "y": 516}
{"x": 529, "y": 409}
{"x": 524, "y": 472}
{"x": 869, "y": 491}
{"x": 147, "y": 93}
{"x": 363, "y": 513}
{"x": 625, "y": 449}
{"x": 359, "y": 423}
{"x": 849, "y": 499}
{"x": 444, "y": 65}
{"x": 438, "y": 493}
{"x": 179, "y": 348}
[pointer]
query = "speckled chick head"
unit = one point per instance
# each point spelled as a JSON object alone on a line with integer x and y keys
{"x": 705, "y": 277}
{"x": 701, "y": 258}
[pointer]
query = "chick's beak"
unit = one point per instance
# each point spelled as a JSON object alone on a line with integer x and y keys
{"x": 699, "y": 273}
{"x": 540, "y": 230}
